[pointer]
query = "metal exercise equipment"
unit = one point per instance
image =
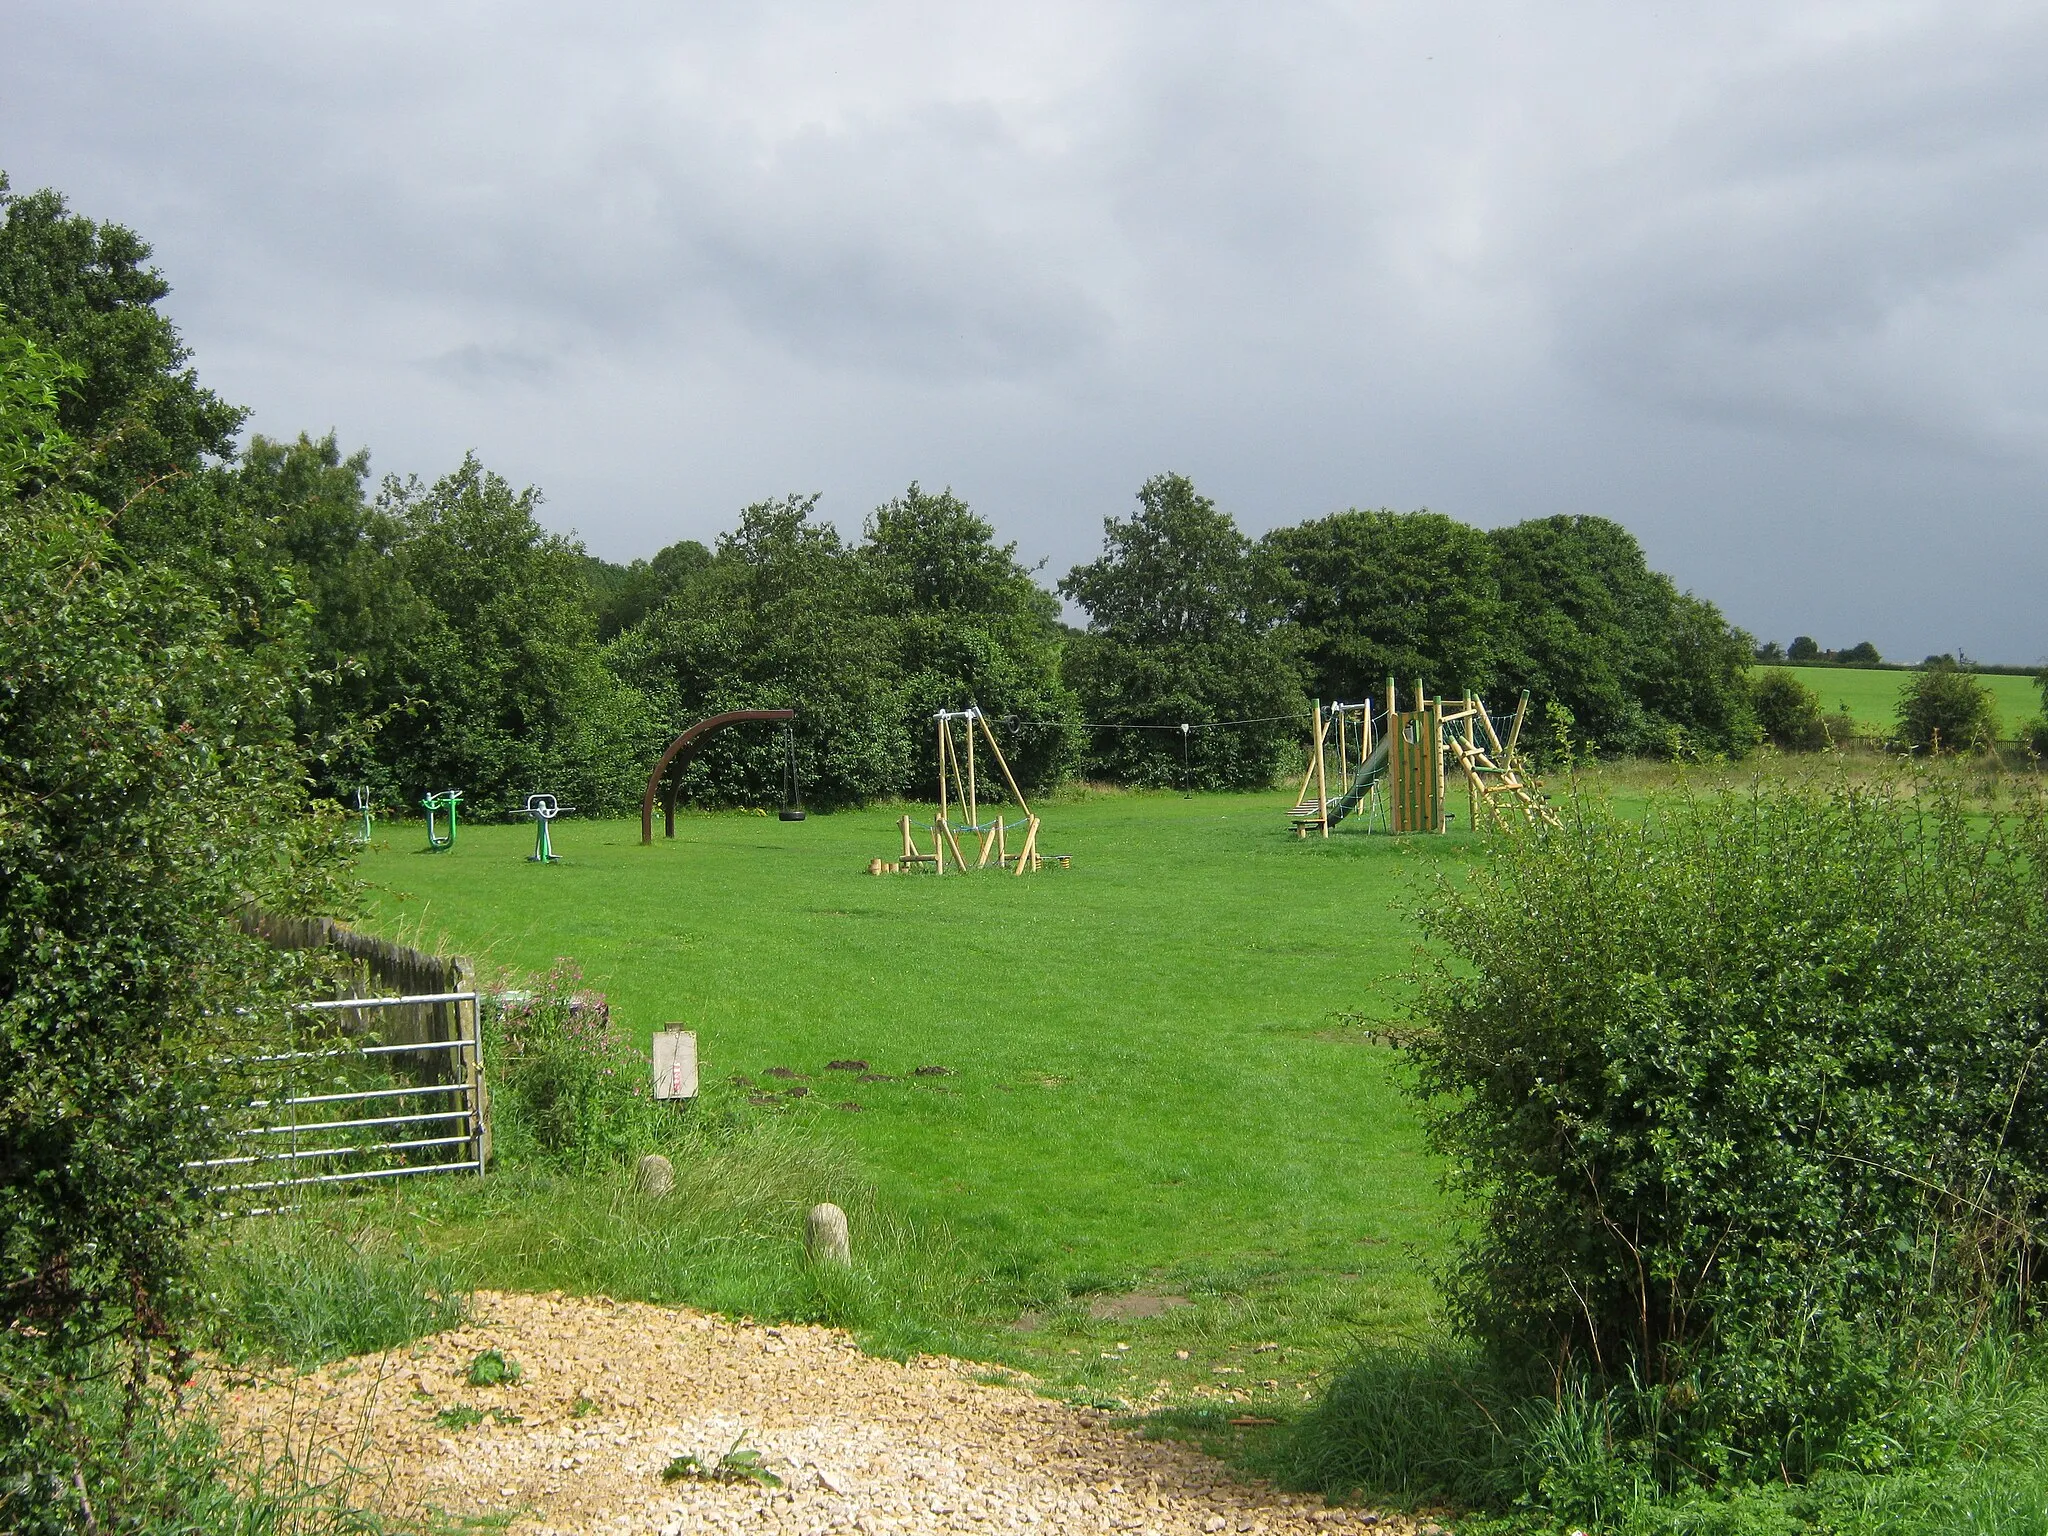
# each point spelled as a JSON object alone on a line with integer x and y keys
{"x": 543, "y": 809}
{"x": 435, "y": 802}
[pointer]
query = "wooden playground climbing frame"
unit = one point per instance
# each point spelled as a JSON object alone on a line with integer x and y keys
{"x": 1416, "y": 748}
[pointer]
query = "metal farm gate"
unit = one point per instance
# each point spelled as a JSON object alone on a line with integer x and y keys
{"x": 357, "y": 1104}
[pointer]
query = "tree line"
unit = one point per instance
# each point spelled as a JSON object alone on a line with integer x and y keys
{"x": 445, "y": 637}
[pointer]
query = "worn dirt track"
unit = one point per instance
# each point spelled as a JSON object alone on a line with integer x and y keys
{"x": 609, "y": 1393}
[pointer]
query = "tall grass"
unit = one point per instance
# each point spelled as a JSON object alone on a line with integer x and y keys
{"x": 1961, "y": 1447}
{"x": 95, "y": 1461}
{"x": 321, "y": 1284}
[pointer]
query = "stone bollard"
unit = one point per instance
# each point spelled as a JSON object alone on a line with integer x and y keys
{"x": 655, "y": 1176}
{"x": 825, "y": 1235}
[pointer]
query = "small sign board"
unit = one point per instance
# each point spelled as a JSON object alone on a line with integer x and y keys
{"x": 675, "y": 1064}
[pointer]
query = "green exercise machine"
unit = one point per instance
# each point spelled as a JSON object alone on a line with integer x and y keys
{"x": 437, "y": 802}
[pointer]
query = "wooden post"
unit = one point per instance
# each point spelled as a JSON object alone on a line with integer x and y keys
{"x": 909, "y": 848}
{"x": 462, "y": 975}
{"x": 1027, "y": 856}
{"x": 1433, "y": 713}
{"x": 1474, "y": 795}
{"x": 675, "y": 1064}
{"x": 1322, "y": 783}
{"x": 1491, "y": 734}
{"x": 1515, "y": 731}
{"x": 973, "y": 805}
{"x": 1003, "y": 764}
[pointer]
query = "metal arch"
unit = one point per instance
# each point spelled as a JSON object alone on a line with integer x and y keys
{"x": 701, "y": 728}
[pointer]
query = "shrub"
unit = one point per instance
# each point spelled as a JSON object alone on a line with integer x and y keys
{"x": 2034, "y": 737}
{"x": 568, "y": 1091}
{"x": 1744, "y": 1098}
{"x": 1943, "y": 707}
{"x": 1788, "y": 712}
{"x": 149, "y": 789}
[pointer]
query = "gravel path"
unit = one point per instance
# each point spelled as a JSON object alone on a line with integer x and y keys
{"x": 609, "y": 1393}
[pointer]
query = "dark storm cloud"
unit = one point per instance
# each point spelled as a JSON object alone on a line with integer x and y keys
{"x": 1764, "y": 283}
{"x": 1836, "y": 247}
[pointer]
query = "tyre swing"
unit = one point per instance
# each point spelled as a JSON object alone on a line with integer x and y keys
{"x": 792, "y": 791}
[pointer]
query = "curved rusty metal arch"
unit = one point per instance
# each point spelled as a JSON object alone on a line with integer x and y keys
{"x": 700, "y": 729}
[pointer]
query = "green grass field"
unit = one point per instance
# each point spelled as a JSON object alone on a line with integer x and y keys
{"x": 1872, "y": 696}
{"x": 1149, "y": 1084}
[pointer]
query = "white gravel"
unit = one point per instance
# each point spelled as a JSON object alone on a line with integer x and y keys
{"x": 611, "y": 1392}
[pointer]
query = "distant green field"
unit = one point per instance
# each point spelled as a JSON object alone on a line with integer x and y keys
{"x": 1872, "y": 696}
{"x": 1149, "y": 1081}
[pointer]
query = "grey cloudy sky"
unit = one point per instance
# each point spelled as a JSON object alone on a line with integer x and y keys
{"x": 1764, "y": 282}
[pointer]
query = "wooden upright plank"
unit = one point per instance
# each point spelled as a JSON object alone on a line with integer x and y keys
{"x": 1322, "y": 784}
{"x": 973, "y": 804}
{"x": 1027, "y": 856}
{"x": 1515, "y": 730}
{"x": 1003, "y": 764}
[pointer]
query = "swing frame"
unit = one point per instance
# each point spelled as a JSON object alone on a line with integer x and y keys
{"x": 959, "y": 787}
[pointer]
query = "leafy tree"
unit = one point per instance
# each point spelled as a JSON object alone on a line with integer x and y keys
{"x": 1385, "y": 594}
{"x": 1944, "y": 706}
{"x": 366, "y": 620}
{"x": 779, "y": 618}
{"x": 866, "y": 643}
{"x": 513, "y": 692}
{"x": 1861, "y": 654}
{"x": 972, "y": 627}
{"x": 1640, "y": 666}
{"x": 86, "y": 289}
{"x": 1182, "y": 629}
{"x": 1788, "y": 712}
{"x": 1696, "y": 682}
{"x": 623, "y": 595}
{"x": 150, "y": 788}
{"x": 1804, "y": 649}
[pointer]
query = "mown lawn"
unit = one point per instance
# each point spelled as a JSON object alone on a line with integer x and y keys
{"x": 1149, "y": 1084}
{"x": 1872, "y": 696}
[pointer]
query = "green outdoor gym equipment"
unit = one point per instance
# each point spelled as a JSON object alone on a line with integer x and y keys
{"x": 543, "y": 809}
{"x": 369, "y": 817}
{"x": 437, "y": 801}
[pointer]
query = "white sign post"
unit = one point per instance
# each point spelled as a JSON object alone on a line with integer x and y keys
{"x": 675, "y": 1064}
